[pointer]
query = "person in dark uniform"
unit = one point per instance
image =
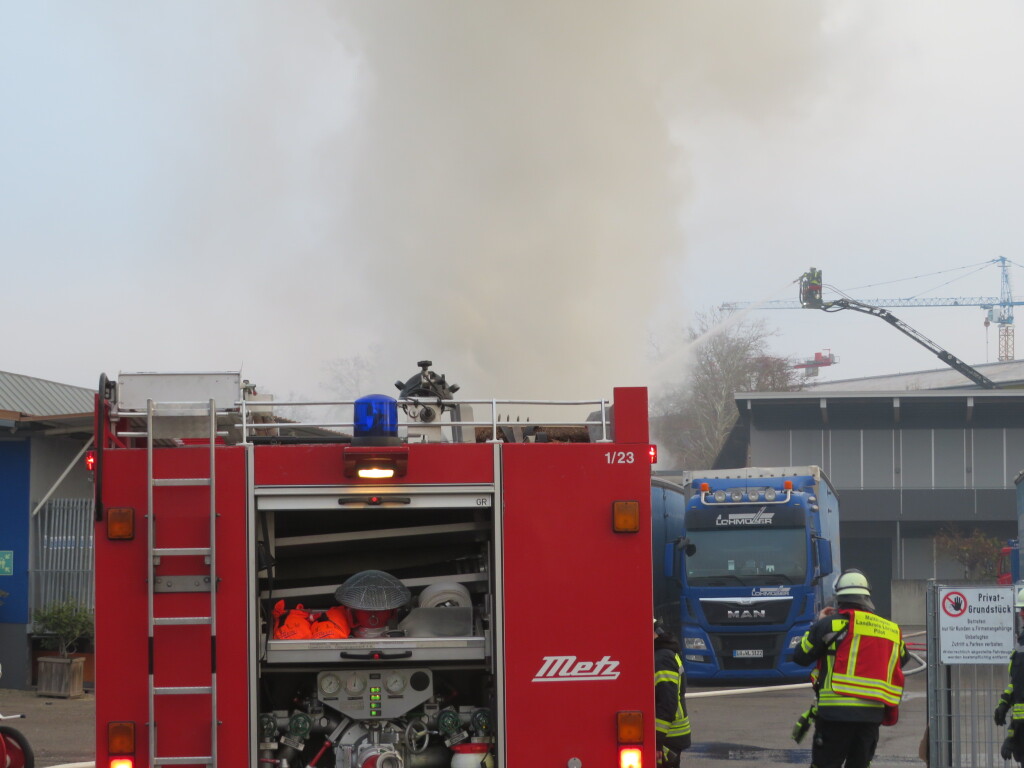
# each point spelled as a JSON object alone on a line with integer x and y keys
{"x": 1012, "y": 700}
{"x": 858, "y": 678}
{"x": 671, "y": 722}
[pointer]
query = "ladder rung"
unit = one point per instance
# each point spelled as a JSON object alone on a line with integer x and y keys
{"x": 179, "y": 690}
{"x": 181, "y": 481}
{"x": 172, "y": 411}
{"x": 181, "y": 551}
{"x": 182, "y": 760}
{"x": 219, "y": 433}
{"x": 165, "y": 621}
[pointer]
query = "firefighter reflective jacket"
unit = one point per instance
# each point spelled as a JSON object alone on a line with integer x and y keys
{"x": 1013, "y": 696}
{"x": 671, "y": 721}
{"x": 859, "y": 659}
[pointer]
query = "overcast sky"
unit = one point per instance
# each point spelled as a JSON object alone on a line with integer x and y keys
{"x": 524, "y": 193}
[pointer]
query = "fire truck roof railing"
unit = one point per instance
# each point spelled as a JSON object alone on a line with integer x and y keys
{"x": 420, "y": 419}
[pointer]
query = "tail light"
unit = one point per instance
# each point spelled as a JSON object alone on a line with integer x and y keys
{"x": 625, "y": 516}
{"x": 90, "y": 461}
{"x": 121, "y": 742}
{"x": 120, "y": 525}
{"x": 629, "y": 728}
{"x": 652, "y": 452}
{"x": 630, "y": 757}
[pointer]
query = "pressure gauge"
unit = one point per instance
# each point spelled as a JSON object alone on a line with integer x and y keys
{"x": 355, "y": 685}
{"x": 394, "y": 682}
{"x": 330, "y": 684}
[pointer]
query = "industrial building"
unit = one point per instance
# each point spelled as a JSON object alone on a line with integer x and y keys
{"x": 45, "y": 508}
{"x": 907, "y": 454}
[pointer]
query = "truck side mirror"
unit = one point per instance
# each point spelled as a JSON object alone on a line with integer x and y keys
{"x": 823, "y": 550}
{"x": 687, "y": 546}
{"x": 673, "y": 566}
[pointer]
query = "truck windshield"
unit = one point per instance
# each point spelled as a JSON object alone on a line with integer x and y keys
{"x": 747, "y": 556}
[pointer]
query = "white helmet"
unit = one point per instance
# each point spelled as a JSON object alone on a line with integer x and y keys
{"x": 852, "y": 587}
{"x": 1019, "y": 599}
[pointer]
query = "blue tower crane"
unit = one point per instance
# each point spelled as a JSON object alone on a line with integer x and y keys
{"x": 999, "y": 310}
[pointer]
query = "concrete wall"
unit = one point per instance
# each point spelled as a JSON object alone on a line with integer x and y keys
{"x": 908, "y": 595}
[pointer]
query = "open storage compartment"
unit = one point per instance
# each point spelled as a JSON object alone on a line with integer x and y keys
{"x": 411, "y": 680}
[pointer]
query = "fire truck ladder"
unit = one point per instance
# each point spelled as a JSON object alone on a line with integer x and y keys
{"x": 165, "y": 416}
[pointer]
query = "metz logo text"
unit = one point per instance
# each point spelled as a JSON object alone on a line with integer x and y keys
{"x": 566, "y": 668}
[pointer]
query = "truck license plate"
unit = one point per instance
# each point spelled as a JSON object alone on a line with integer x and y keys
{"x": 756, "y": 653}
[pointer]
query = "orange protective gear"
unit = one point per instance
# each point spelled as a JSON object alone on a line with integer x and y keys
{"x": 333, "y": 624}
{"x": 291, "y": 624}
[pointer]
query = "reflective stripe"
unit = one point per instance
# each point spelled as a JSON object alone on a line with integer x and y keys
{"x": 868, "y": 677}
{"x": 805, "y": 643}
{"x": 680, "y": 725}
{"x": 828, "y": 698}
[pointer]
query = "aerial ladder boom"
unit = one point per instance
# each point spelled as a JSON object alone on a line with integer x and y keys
{"x": 810, "y": 298}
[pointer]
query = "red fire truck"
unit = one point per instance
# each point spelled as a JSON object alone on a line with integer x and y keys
{"x": 395, "y": 584}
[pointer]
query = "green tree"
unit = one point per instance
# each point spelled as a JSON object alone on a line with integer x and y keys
{"x": 63, "y": 624}
{"x": 977, "y": 552}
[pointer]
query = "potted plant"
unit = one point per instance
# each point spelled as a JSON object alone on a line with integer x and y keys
{"x": 61, "y": 627}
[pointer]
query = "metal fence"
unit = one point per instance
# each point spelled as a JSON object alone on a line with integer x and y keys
{"x": 62, "y": 536}
{"x": 961, "y": 701}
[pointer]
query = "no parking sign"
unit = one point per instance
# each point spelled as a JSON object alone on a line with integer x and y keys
{"x": 975, "y": 624}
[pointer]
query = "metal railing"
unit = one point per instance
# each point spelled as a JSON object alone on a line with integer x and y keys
{"x": 961, "y": 700}
{"x": 62, "y": 536}
{"x": 599, "y": 418}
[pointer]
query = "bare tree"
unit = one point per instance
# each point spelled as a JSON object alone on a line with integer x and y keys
{"x": 693, "y": 418}
{"x": 355, "y": 376}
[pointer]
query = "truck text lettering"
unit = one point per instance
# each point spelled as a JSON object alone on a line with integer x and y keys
{"x": 561, "y": 668}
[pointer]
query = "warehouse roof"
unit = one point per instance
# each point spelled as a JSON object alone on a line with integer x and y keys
{"x": 29, "y": 396}
{"x": 1009, "y": 375}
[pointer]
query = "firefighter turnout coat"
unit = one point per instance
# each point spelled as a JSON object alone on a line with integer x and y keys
{"x": 859, "y": 658}
{"x": 672, "y": 723}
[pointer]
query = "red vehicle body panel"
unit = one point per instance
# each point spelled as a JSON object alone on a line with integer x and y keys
{"x": 577, "y": 590}
{"x": 181, "y": 654}
{"x": 574, "y": 596}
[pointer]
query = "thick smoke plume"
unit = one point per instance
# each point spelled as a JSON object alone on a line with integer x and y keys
{"x": 516, "y": 194}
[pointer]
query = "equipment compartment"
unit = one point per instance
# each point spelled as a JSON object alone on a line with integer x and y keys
{"x": 404, "y": 692}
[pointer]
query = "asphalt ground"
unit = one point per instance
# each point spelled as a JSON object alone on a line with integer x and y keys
{"x": 747, "y": 728}
{"x": 60, "y": 731}
{"x": 753, "y": 728}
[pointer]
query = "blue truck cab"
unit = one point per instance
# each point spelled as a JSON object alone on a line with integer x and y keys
{"x": 744, "y": 557}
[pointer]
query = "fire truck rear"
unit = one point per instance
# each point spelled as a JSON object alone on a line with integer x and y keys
{"x": 375, "y": 584}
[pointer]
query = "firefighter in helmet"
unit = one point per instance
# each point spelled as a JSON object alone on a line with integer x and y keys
{"x": 858, "y": 688}
{"x": 1012, "y": 700}
{"x": 671, "y": 722}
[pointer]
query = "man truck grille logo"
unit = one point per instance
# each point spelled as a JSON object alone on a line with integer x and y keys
{"x": 761, "y": 517}
{"x": 562, "y": 668}
{"x": 755, "y": 614}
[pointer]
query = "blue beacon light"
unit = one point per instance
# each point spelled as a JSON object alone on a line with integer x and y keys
{"x": 376, "y": 416}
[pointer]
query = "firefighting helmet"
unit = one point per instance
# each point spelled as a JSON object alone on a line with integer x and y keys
{"x": 852, "y": 582}
{"x": 372, "y": 591}
{"x": 852, "y": 587}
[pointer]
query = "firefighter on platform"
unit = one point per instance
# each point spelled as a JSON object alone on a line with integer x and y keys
{"x": 1012, "y": 700}
{"x": 671, "y": 722}
{"x": 858, "y": 677}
